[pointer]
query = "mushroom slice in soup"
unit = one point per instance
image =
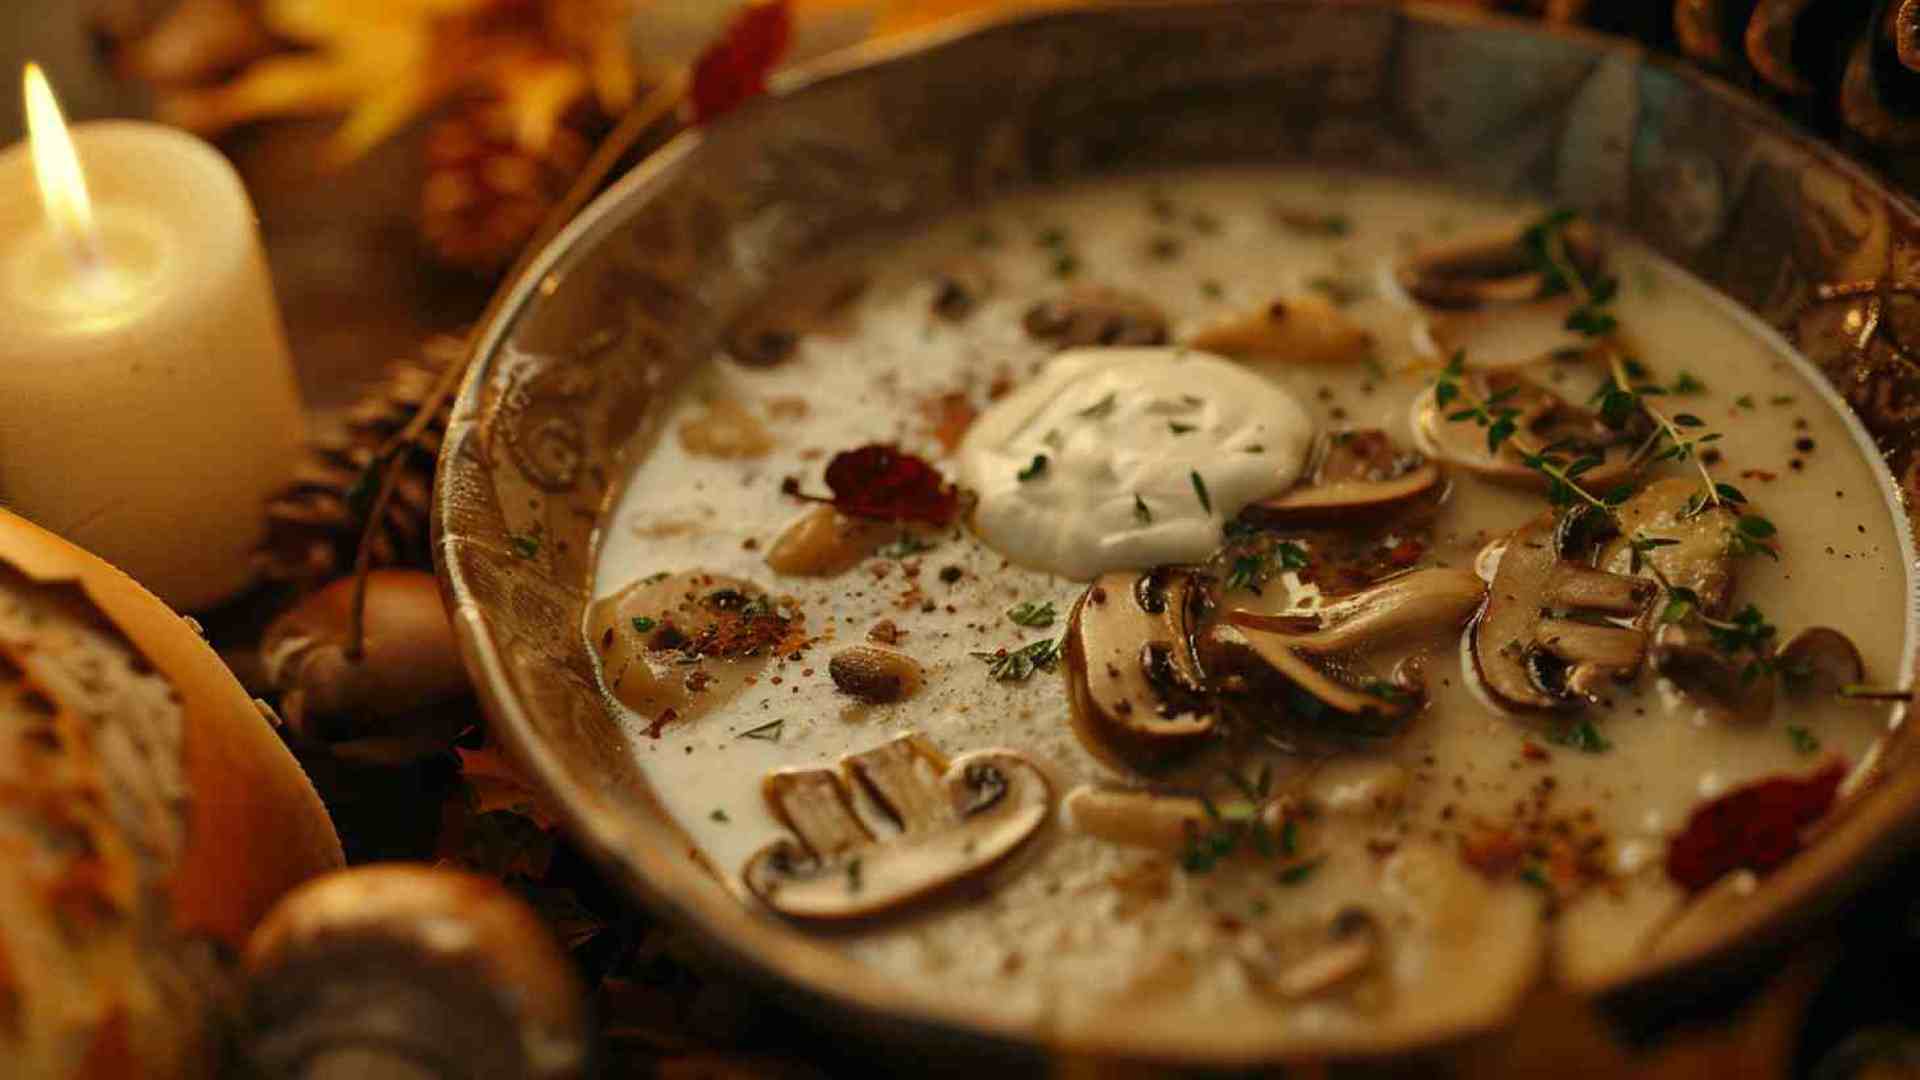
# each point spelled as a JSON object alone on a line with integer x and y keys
{"x": 956, "y": 820}
{"x": 1303, "y": 329}
{"x": 1540, "y": 642}
{"x": 1360, "y": 476}
{"x": 1494, "y": 268}
{"x": 1162, "y": 820}
{"x": 1134, "y": 683}
{"x": 674, "y": 646}
{"x": 1315, "y": 664}
{"x": 1819, "y": 661}
{"x": 1542, "y": 418}
{"x": 1097, "y": 315}
{"x": 1693, "y": 538}
{"x": 1724, "y": 686}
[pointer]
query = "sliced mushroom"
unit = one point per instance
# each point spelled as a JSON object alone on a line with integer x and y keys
{"x": 1097, "y": 315}
{"x": 822, "y": 542}
{"x": 1260, "y": 661}
{"x": 1352, "y": 947}
{"x": 1496, "y": 268}
{"x": 1533, "y": 646}
{"x": 956, "y": 820}
{"x": 675, "y": 646}
{"x": 1360, "y": 475}
{"x": 1817, "y": 662}
{"x": 1728, "y": 688}
{"x": 1304, "y": 329}
{"x": 1697, "y": 556}
{"x": 1159, "y": 820}
{"x": 1136, "y": 688}
{"x": 1543, "y": 419}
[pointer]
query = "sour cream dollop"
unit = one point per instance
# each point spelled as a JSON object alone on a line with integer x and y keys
{"x": 1121, "y": 458}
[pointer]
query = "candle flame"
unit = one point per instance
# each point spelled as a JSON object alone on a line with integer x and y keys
{"x": 56, "y": 166}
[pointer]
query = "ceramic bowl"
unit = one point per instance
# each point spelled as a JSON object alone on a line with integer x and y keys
{"x": 571, "y": 376}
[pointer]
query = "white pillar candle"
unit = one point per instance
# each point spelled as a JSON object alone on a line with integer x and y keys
{"x": 148, "y": 407}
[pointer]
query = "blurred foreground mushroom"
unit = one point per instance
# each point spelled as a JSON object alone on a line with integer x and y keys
{"x": 406, "y": 972}
{"x": 400, "y": 694}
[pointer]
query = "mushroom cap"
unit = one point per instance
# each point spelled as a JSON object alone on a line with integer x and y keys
{"x": 1089, "y": 315}
{"x": 1818, "y": 661}
{"x": 1544, "y": 418}
{"x": 956, "y": 821}
{"x": 1359, "y": 476}
{"x": 1494, "y": 267}
{"x": 320, "y": 961}
{"x": 1533, "y": 645}
{"x": 1697, "y": 556}
{"x": 1134, "y": 682}
{"x": 1726, "y": 687}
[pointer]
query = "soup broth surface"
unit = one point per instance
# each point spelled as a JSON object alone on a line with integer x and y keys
{"x": 1485, "y": 848}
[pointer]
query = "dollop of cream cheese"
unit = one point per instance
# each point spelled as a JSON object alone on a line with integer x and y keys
{"x": 1129, "y": 457}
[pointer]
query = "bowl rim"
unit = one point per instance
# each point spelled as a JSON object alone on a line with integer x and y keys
{"x": 816, "y": 977}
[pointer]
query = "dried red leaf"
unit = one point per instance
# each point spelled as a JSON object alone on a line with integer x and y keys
{"x": 734, "y": 69}
{"x": 885, "y": 483}
{"x": 1755, "y": 827}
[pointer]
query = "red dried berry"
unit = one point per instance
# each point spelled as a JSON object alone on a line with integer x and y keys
{"x": 887, "y": 483}
{"x": 734, "y": 69}
{"x": 1755, "y": 827}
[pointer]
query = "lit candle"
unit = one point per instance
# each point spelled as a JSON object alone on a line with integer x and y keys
{"x": 148, "y": 407}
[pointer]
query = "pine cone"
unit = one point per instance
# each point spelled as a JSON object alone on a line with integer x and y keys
{"x": 485, "y": 195}
{"x": 1850, "y": 65}
{"x": 313, "y": 528}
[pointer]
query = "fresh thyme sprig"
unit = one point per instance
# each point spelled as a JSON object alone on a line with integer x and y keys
{"x": 1502, "y": 426}
{"x": 1237, "y": 827}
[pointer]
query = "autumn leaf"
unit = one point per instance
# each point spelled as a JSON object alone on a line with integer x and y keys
{"x": 494, "y": 784}
{"x": 734, "y": 69}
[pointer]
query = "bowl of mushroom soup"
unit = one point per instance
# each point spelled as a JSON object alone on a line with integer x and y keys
{"x": 1211, "y": 533}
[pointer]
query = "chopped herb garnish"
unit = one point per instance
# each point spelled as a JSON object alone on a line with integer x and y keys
{"x": 1034, "y": 469}
{"x": 1298, "y": 873}
{"x": 642, "y": 624}
{"x": 984, "y": 236}
{"x": 1027, "y": 613}
{"x": 1066, "y": 264}
{"x": 1212, "y": 289}
{"x": 1581, "y": 735}
{"x": 1744, "y": 401}
{"x": 1534, "y": 875}
{"x": 1004, "y": 666}
{"x": 1140, "y": 512}
{"x": 1180, "y": 429}
{"x": 655, "y": 579}
{"x": 1781, "y": 399}
{"x": 1339, "y": 291}
{"x": 853, "y": 874}
{"x": 1546, "y": 241}
{"x": 524, "y": 546}
{"x": 1312, "y": 223}
{"x": 1200, "y": 489}
{"x": 1052, "y": 237}
{"x": 1289, "y": 838}
{"x": 1099, "y": 410}
{"x": 767, "y": 732}
{"x": 903, "y": 546}
{"x": 720, "y": 816}
{"x": 1687, "y": 383}
{"x": 1804, "y": 741}
{"x": 1238, "y": 826}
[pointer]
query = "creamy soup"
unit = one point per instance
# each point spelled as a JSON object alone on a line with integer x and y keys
{"x": 1357, "y": 791}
